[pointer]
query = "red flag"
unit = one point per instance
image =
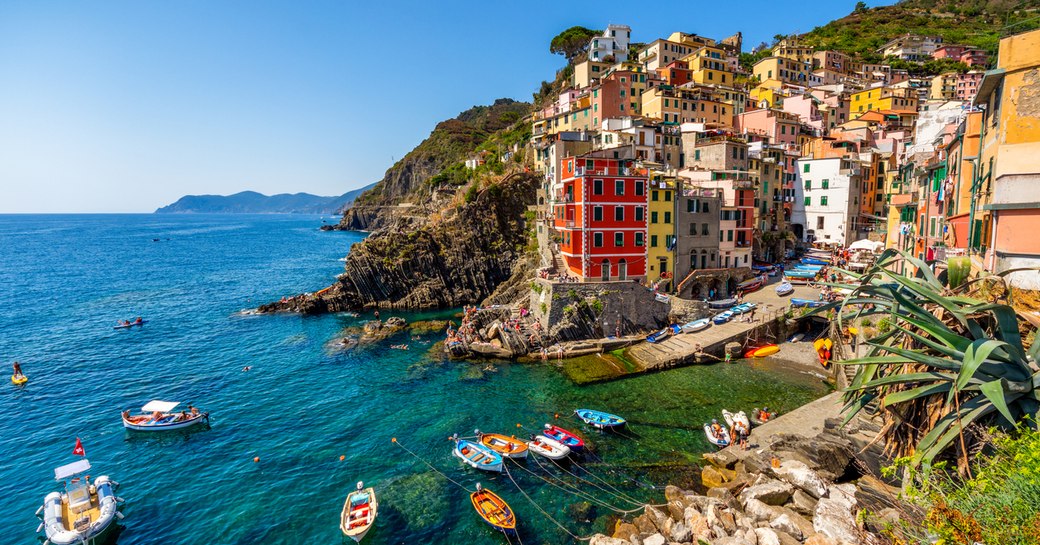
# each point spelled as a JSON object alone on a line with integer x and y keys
{"x": 78, "y": 451}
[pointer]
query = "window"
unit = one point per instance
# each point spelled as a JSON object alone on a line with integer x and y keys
{"x": 639, "y": 213}
{"x": 619, "y": 187}
{"x": 729, "y": 235}
{"x": 819, "y": 222}
{"x": 597, "y": 240}
{"x": 639, "y": 238}
{"x": 693, "y": 229}
{"x": 597, "y": 187}
{"x": 805, "y": 167}
{"x": 734, "y": 150}
{"x": 669, "y": 241}
{"x": 653, "y": 241}
{"x": 826, "y": 183}
{"x": 668, "y": 217}
{"x": 808, "y": 201}
{"x": 597, "y": 213}
{"x": 691, "y": 206}
{"x": 667, "y": 195}
{"x": 823, "y": 200}
{"x": 653, "y": 195}
{"x": 653, "y": 217}
{"x": 704, "y": 229}
{"x": 697, "y": 155}
{"x": 639, "y": 188}
{"x": 808, "y": 184}
{"x": 619, "y": 213}
{"x": 619, "y": 239}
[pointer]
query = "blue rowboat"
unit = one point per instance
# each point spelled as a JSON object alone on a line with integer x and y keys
{"x": 659, "y": 336}
{"x": 800, "y": 273}
{"x": 784, "y": 288}
{"x": 723, "y": 318}
{"x": 796, "y": 302}
{"x": 599, "y": 419}
{"x": 696, "y": 325}
{"x": 815, "y": 261}
{"x": 477, "y": 455}
{"x": 564, "y": 437}
{"x": 804, "y": 267}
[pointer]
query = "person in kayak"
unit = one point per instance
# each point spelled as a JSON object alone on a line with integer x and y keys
{"x": 139, "y": 320}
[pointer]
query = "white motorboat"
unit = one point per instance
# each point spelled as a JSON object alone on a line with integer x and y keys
{"x": 84, "y": 512}
{"x": 359, "y": 512}
{"x": 735, "y": 418}
{"x": 550, "y": 448}
{"x": 159, "y": 416}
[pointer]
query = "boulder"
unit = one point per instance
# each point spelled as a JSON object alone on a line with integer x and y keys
{"x": 802, "y": 476}
{"x": 625, "y": 530}
{"x": 680, "y": 532}
{"x": 722, "y": 458}
{"x": 656, "y": 539}
{"x": 792, "y": 523}
{"x": 803, "y": 503}
{"x": 696, "y": 524}
{"x": 702, "y": 502}
{"x": 711, "y": 477}
{"x": 720, "y": 493}
{"x": 844, "y": 493}
{"x": 770, "y": 492}
{"x": 600, "y": 539}
{"x": 767, "y": 536}
{"x": 661, "y": 521}
{"x": 644, "y": 524}
{"x": 728, "y": 521}
{"x": 820, "y": 539}
{"x": 759, "y": 511}
{"x": 732, "y": 540}
{"x": 751, "y": 537}
{"x": 834, "y": 519}
{"x": 787, "y": 539}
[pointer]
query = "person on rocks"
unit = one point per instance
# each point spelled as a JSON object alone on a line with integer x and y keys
{"x": 741, "y": 431}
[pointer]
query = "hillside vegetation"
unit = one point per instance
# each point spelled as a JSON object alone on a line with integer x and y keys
{"x": 978, "y": 23}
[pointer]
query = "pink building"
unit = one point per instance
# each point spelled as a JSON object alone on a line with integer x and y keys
{"x": 779, "y": 126}
{"x": 968, "y": 85}
{"x": 807, "y": 108}
{"x": 974, "y": 57}
{"x": 949, "y": 51}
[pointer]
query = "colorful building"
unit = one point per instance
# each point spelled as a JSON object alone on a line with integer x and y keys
{"x": 600, "y": 215}
{"x": 662, "y": 233}
{"x": 882, "y": 98}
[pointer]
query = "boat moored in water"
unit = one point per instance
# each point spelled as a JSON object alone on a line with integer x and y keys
{"x": 158, "y": 416}
{"x": 717, "y": 436}
{"x": 550, "y": 448}
{"x": 85, "y": 512}
{"x": 359, "y": 512}
{"x": 565, "y": 437}
{"x": 509, "y": 447}
{"x": 477, "y": 455}
{"x": 494, "y": 510}
{"x": 600, "y": 419}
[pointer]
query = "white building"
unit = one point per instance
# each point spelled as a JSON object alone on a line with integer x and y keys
{"x": 910, "y": 47}
{"x": 613, "y": 43}
{"x": 824, "y": 210}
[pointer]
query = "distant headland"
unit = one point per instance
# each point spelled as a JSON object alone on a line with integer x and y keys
{"x": 251, "y": 202}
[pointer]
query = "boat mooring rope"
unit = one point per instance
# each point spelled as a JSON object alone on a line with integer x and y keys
{"x": 613, "y": 491}
{"x": 567, "y": 487}
{"x": 539, "y": 508}
{"x": 439, "y": 472}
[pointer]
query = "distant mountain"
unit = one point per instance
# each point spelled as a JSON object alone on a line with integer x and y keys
{"x": 251, "y": 202}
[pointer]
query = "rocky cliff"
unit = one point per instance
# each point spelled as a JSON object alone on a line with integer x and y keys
{"x": 455, "y": 256}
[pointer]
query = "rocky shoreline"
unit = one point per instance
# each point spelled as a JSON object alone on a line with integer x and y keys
{"x": 815, "y": 487}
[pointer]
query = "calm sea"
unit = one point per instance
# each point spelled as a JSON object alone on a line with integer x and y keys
{"x": 66, "y": 279}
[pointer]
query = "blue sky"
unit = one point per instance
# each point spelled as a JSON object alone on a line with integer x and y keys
{"x": 125, "y": 106}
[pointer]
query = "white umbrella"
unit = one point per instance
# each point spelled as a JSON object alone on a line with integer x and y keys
{"x": 865, "y": 244}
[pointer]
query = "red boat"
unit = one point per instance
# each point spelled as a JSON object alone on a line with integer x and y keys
{"x": 563, "y": 436}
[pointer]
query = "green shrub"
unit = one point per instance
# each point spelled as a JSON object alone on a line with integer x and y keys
{"x": 596, "y": 305}
{"x": 572, "y": 294}
{"x": 536, "y": 287}
{"x": 471, "y": 193}
{"x": 884, "y": 325}
{"x": 545, "y": 308}
{"x": 568, "y": 310}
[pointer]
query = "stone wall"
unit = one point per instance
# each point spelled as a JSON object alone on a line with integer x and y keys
{"x": 576, "y": 311}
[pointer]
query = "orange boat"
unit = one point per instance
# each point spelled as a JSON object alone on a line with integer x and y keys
{"x": 508, "y": 447}
{"x": 494, "y": 510}
{"x": 762, "y": 351}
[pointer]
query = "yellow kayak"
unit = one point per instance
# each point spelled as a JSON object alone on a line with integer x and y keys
{"x": 19, "y": 380}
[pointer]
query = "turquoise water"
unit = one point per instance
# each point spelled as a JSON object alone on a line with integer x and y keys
{"x": 65, "y": 280}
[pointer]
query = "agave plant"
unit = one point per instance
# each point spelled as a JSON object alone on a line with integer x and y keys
{"x": 949, "y": 361}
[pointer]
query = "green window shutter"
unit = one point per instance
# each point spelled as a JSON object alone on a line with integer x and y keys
{"x": 806, "y": 168}
{"x": 826, "y": 184}
{"x": 808, "y": 184}
{"x": 808, "y": 201}
{"x": 823, "y": 200}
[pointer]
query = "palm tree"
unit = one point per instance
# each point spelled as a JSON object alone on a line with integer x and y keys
{"x": 948, "y": 362}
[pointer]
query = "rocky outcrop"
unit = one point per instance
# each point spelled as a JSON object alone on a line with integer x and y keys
{"x": 456, "y": 258}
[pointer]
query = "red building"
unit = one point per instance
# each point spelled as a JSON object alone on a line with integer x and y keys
{"x": 601, "y": 215}
{"x": 676, "y": 73}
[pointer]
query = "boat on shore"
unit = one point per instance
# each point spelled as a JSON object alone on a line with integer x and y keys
{"x": 477, "y": 456}
{"x": 660, "y": 335}
{"x": 733, "y": 419}
{"x": 158, "y": 416}
{"x": 696, "y": 325}
{"x": 565, "y": 437}
{"x": 722, "y": 303}
{"x": 549, "y": 448}
{"x": 784, "y": 288}
{"x": 743, "y": 308}
{"x": 723, "y": 317}
{"x": 762, "y": 351}
{"x": 751, "y": 284}
{"x": 721, "y": 440}
{"x": 85, "y": 512}
{"x": 359, "y": 512}
{"x": 599, "y": 419}
{"x": 756, "y": 416}
{"x": 811, "y": 303}
{"x": 508, "y": 447}
{"x": 493, "y": 510}
{"x": 823, "y": 350}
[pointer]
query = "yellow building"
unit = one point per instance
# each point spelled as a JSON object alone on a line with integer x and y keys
{"x": 785, "y": 70}
{"x": 767, "y": 94}
{"x": 882, "y": 98}
{"x": 676, "y": 105}
{"x": 944, "y": 87}
{"x": 587, "y": 72}
{"x": 660, "y": 252}
{"x": 789, "y": 48}
{"x": 708, "y": 66}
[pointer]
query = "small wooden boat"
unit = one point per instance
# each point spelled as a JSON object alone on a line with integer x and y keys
{"x": 359, "y": 512}
{"x": 733, "y": 419}
{"x": 158, "y": 416}
{"x": 762, "y": 351}
{"x": 784, "y": 288}
{"x": 722, "y": 303}
{"x": 811, "y": 303}
{"x": 723, "y": 317}
{"x": 565, "y": 437}
{"x": 18, "y": 380}
{"x": 600, "y": 419}
{"x": 676, "y": 329}
{"x": 751, "y": 284}
{"x": 494, "y": 510}
{"x": 85, "y": 512}
{"x": 506, "y": 446}
{"x": 659, "y": 336}
{"x": 696, "y": 325}
{"x": 719, "y": 440}
{"x": 550, "y": 448}
{"x": 756, "y": 416}
{"x": 743, "y": 308}
{"x": 477, "y": 455}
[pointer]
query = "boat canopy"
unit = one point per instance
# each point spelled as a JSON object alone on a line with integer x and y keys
{"x": 161, "y": 406}
{"x": 68, "y": 470}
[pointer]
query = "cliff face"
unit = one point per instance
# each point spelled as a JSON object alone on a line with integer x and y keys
{"x": 454, "y": 257}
